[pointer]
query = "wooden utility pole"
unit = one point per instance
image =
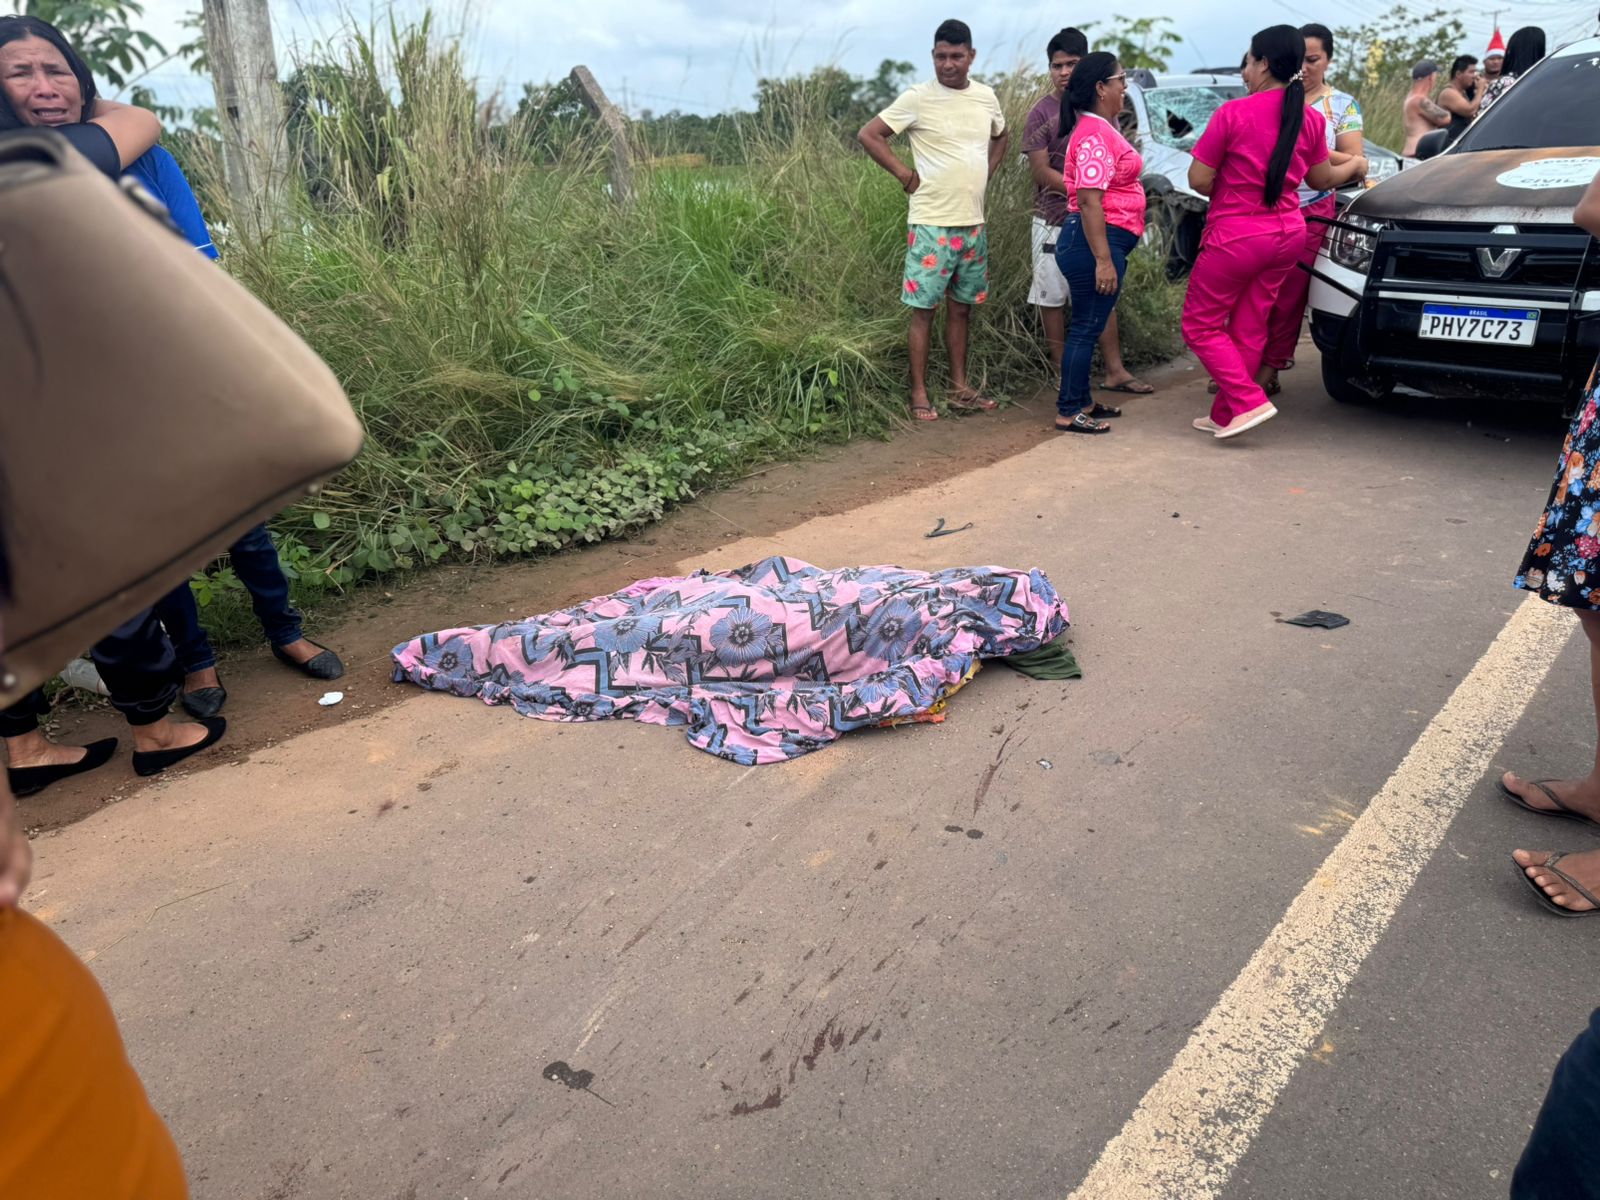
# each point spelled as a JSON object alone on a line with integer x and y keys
{"x": 244, "y": 72}
{"x": 595, "y": 100}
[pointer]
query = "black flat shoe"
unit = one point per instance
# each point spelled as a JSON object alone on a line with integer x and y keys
{"x": 204, "y": 702}
{"x": 25, "y": 781}
{"x": 153, "y": 762}
{"x": 324, "y": 666}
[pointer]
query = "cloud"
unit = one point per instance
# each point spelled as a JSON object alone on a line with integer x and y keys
{"x": 706, "y": 55}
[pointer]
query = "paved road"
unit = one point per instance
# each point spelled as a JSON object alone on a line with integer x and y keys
{"x": 345, "y": 965}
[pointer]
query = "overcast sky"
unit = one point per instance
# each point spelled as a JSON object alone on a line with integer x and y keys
{"x": 705, "y": 55}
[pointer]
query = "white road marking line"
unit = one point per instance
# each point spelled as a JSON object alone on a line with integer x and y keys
{"x": 1192, "y": 1128}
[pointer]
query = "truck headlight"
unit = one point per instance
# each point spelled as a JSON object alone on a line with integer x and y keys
{"x": 1379, "y": 169}
{"x": 1352, "y": 242}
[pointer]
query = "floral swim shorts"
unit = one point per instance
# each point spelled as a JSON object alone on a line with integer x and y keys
{"x": 945, "y": 258}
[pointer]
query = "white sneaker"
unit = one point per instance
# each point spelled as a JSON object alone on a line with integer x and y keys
{"x": 1247, "y": 421}
{"x": 1206, "y": 425}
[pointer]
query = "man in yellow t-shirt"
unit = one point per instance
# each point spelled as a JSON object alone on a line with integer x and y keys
{"x": 958, "y": 138}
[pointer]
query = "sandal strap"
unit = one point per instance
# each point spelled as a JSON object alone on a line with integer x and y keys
{"x": 1542, "y": 785}
{"x": 1550, "y": 865}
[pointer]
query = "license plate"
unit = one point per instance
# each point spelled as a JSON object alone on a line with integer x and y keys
{"x": 1483, "y": 326}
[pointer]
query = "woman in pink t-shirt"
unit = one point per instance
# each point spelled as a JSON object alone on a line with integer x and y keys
{"x": 1105, "y": 204}
{"x": 1251, "y": 160}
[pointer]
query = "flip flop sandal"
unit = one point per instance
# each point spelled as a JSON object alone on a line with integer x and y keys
{"x": 923, "y": 412}
{"x": 1083, "y": 424}
{"x": 976, "y": 403}
{"x": 1550, "y": 865}
{"x": 1272, "y": 388}
{"x": 1134, "y": 387}
{"x": 1104, "y": 410}
{"x": 1560, "y": 809}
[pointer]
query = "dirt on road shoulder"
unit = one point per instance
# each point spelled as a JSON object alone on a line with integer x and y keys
{"x": 268, "y": 704}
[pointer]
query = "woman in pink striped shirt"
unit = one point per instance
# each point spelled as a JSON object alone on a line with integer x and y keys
{"x": 1105, "y": 201}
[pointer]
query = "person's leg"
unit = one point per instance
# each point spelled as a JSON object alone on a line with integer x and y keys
{"x": 179, "y": 612}
{"x": 141, "y": 672}
{"x": 255, "y": 562}
{"x": 1289, "y": 308}
{"x": 1562, "y": 1158}
{"x": 22, "y": 718}
{"x": 968, "y": 254}
{"x": 1252, "y": 311}
{"x": 1054, "y": 321}
{"x": 957, "y": 317}
{"x": 1117, "y": 373}
{"x": 1580, "y": 795}
{"x": 1230, "y": 330}
{"x": 26, "y": 744}
{"x": 1048, "y": 291}
{"x": 918, "y": 341}
{"x": 927, "y": 276}
{"x": 1090, "y": 311}
{"x": 1220, "y": 273}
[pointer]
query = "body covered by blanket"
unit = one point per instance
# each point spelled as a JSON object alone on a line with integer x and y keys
{"x": 761, "y": 664}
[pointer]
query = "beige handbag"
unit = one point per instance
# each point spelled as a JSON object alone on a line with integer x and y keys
{"x": 151, "y": 409}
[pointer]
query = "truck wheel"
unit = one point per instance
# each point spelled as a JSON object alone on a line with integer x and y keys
{"x": 1339, "y": 384}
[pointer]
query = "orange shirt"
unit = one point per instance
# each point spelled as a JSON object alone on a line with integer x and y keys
{"x": 74, "y": 1119}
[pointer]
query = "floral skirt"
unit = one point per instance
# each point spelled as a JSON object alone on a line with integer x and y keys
{"x": 1563, "y": 560}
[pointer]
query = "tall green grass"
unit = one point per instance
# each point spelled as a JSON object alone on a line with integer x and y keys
{"x": 537, "y": 366}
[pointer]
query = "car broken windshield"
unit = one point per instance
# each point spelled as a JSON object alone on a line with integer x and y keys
{"x": 1179, "y": 115}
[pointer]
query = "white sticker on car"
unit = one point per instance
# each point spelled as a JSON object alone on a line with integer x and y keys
{"x": 1551, "y": 173}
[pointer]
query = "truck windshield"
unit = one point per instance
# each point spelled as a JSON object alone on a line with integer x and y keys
{"x": 1178, "y": 115}
{"x": 1557, "y": 103}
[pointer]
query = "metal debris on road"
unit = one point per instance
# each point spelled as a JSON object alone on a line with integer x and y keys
{"x": 1317, "y": 619}
{"x": 940, "y": 531}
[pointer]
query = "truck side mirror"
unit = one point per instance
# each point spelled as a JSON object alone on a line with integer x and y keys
{"x": 1431, "y": 145}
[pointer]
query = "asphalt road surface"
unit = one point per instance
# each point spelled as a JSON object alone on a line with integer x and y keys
{"x": 1234, "y": 915}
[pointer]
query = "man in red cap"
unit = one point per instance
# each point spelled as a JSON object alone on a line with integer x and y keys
{"x": 1494, "y": 59}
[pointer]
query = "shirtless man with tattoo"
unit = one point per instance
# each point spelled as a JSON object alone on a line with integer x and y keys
{"x": 1422, "y": 114}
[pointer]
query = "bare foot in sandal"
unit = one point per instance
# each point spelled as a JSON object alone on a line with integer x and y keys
{"x": 922, "y": 409}
{"x": 1081, "y": 423}
{"x": 1126, "y": 381}
{"x": 971, "y": 400}
{"x": 1579, "y": 797}
{"x": 1582, "y": 870}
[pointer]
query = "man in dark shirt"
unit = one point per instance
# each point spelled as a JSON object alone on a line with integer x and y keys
{"x": 1046, "y": 150}
{"x": 1461, "y": 96}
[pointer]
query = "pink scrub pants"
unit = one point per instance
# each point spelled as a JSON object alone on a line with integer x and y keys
{"x": 1289, "y": 310}
{"x": 1243, "y": 264}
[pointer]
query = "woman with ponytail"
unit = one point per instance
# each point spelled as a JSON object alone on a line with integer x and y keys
{"x": 1105, "y": 205}
{"x": 1254, "y": 155}
{"x": 1341, "y": 115}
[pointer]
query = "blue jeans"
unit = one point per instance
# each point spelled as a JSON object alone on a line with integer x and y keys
{"x": 135, "y": 662}
{"x": 1090, "y": 309}
{"x": 255, "y": 562}
{"x": 1562, "y": 1158}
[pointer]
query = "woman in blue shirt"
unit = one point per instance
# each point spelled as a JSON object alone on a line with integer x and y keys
{"x": 254, "y": 557}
